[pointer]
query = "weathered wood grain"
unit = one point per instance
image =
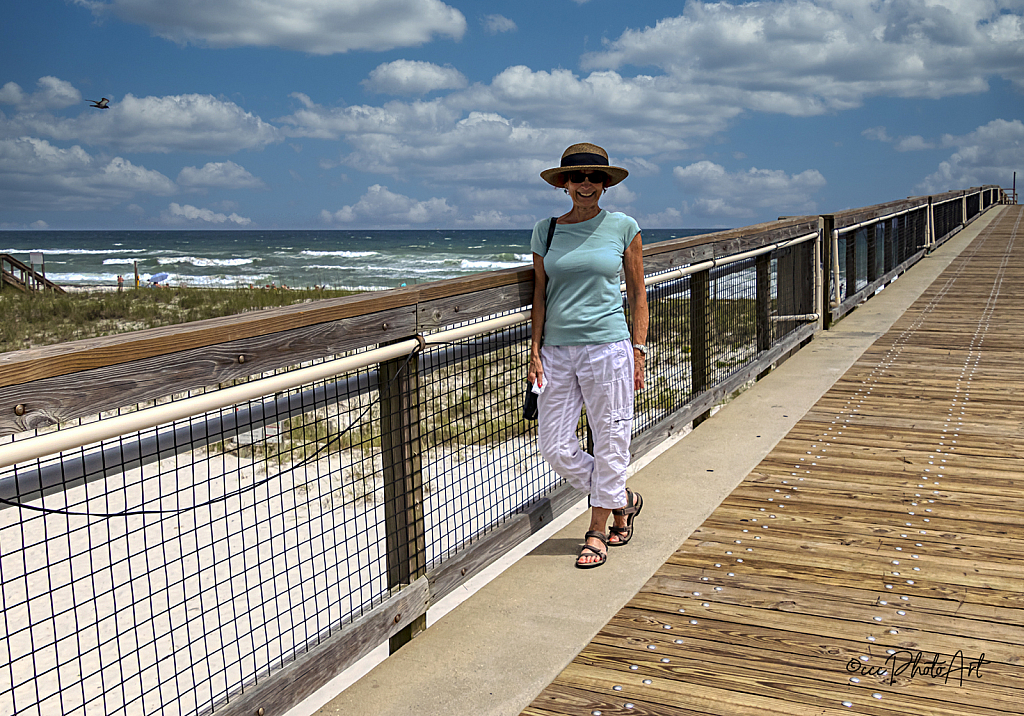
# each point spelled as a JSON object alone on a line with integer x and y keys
{"x": 66, "y": 397}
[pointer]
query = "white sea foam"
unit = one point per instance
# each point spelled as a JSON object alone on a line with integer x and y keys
{"x": 405, "y": 269}
{"x": 200, "y": 261}
{"x": 342, "y": 254}
{"x": 73, "y": 252}
{"x": 490, "y": 265}
{"x": 174, "y": 279}
{"x": 222, "y": 281}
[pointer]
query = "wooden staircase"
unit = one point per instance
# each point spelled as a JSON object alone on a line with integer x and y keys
{"x": 23, "y": 277}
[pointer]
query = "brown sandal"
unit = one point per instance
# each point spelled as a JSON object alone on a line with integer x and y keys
{"x": 634, "y": 503}
{"x": 585, "y": 547}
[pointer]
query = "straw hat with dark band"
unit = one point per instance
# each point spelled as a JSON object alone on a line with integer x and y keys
{"x": 583, "y": 156}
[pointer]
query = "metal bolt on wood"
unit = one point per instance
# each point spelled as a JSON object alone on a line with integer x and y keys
{"x": 19, "y": 410}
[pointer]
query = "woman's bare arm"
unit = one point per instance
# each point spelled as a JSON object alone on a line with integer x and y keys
{"x": 636, "y": 294}
{"x": 536, "y": 371}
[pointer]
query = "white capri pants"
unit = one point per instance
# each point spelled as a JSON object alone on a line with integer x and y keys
{"x": 600, "y": 377}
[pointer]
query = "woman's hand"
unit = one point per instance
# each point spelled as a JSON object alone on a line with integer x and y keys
{"x": 639, "y": 363}
{"x": 536, "y": 373}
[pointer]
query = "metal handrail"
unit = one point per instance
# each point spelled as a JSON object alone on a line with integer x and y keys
{"x": 877, "y": 219}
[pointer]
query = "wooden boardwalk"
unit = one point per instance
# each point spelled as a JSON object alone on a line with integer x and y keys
{"x": 873, "y": 563}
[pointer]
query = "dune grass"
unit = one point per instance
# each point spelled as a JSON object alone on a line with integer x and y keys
{"x": 44, "y": 318}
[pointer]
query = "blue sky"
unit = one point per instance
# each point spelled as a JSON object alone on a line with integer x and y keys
{"x": 285, "y": 114}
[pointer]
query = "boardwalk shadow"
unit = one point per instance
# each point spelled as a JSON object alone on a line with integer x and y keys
{"x": 559, "y": 547}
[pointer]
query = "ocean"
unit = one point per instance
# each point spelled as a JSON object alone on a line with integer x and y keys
{"x": 362, "y": 260}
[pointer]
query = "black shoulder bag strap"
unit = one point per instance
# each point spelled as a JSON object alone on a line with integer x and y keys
{"x": 551, "y": 233}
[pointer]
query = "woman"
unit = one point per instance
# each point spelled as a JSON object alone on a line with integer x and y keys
{"x": 582, "y": 351}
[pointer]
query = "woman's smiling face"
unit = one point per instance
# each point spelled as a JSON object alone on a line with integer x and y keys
{"x": 586, "y": 193}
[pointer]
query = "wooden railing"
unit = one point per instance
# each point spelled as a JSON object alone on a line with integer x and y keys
{"x": 23, "y": 277}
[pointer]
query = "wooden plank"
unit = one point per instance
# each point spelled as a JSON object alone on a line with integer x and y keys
{"x": 440, "y": 312}
{"x": 773, "y": 592}
{"x": 66, "y": 358}
{"x": 723, "y": 690}
{"x": 826, "y": 673}
{"x": 560, "y": 700}
{"x": 841, "y": 626}
{"x": 771, "y": 596}
{"x": 88, "y": 392}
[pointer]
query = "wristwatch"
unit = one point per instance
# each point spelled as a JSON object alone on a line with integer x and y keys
{"x": 641, "y": 347}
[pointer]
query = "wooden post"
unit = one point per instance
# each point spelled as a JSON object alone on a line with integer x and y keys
{"x": 403, "y": 482}
{"x": 35, "y": 258}
{"x": 829, "y": 268}
{"x": 700, "y": 368}
{"x": 763, "y": 291}
{"x": 795, "y": 279}
{"x": 851, "y": 262}
{"x": 891, "y": 236}
{"x": 873, "y": 253}
{"x": 929, "y": 228}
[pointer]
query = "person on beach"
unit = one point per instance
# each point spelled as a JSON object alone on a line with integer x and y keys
{"x": 583, "y": 352}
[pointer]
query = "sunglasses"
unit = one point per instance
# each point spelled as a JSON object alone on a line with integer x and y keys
{"x": 592, "y": 177}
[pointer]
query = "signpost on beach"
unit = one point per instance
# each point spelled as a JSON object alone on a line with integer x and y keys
{"x": 35, "y": 258}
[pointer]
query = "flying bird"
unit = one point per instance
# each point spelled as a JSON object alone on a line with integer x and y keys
{"x": 104, "y": 103}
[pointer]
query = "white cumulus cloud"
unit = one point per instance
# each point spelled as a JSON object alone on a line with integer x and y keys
{"x": 225, "y": 175}
{"x": 52, "y": 93}
{"x": 723, "y": 194}
{"x": 494, "y": 24}
{"x": 411, "y": 77}
{"x": 806, "y": 57}
{"x": 35, "y": 174}
{"x": 380, "y": 207}
{"x": 190, "y": 123}
{"x": 186, "y": 213}
{"x": 913, "y": 143}
{"x": 320, "y": 27}
{"x": 988, "y": 155}
{"x": 877, "y": 134}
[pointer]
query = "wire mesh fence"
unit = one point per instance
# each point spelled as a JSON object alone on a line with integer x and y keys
{"x": 869, "y": 253}
{"x": 161, "y": 587}
{"x": 948, "y": 217}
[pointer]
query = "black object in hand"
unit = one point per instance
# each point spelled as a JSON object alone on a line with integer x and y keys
{"x": 529, "y": 403}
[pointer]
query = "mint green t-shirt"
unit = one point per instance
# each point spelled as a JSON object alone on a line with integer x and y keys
{"x": 583, "y": 305}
